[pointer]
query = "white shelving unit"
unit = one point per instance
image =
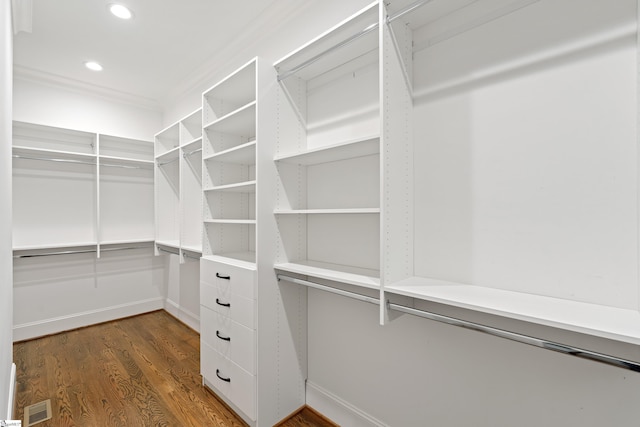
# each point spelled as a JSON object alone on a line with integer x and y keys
{"x": 258, "y": 379}
{"x": 229, "y": 166}
{"x": 77, "y": 191}
{"x": 328, "y": 155}
{"x": 489, "y": 231}
{"x": 178, "y": 154}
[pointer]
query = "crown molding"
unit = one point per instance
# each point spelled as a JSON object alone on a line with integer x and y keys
{"x": 32, "y": 75}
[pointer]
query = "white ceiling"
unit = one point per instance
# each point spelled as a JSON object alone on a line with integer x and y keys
{"x": 166, "y": 44}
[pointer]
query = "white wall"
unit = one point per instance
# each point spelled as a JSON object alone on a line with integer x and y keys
{"x": 6, "y": 279}
{"x": 273, "y": 42}
{"x": 57, "y": 293}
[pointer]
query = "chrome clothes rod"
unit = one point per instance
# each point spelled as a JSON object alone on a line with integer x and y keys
{"x": 501, "y": 333}
{"x": 168, "y": 162}
{"x": 83, "y": 251}
{"x": 121, "y": 166}
{"x": 82, "y": 162}
{"x": 168, "y": 251}
{"x": 190, "y": 153}
{"x": 410, "y": 8}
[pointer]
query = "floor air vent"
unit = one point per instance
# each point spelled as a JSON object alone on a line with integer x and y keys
{"x": 37, "y": 412}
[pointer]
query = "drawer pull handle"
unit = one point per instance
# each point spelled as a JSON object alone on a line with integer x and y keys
{"x": 228, "y": 380}
{"x": 224, "y": 304}
{"x": 223, "y": 277}
{"x": 221, "y": 337}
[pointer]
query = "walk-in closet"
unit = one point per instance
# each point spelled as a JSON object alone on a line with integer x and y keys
{"x": 398, "y": 213}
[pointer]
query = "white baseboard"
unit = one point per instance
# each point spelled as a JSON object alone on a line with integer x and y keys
{"x": 12, "y": 392}
{"x": 338, "y": 410}
{"x": 192, "y": 320}
{"x": 54, "y": 325}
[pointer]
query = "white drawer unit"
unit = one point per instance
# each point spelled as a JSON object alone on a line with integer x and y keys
{"x": 229, "y": 379}
{"x": 221, "y": 300}
{"x": 229, "y": 278}
{"x": 229, "y": 338}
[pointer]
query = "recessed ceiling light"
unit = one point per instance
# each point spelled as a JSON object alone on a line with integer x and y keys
{"x": 120, "y": 11}
{"x": 92, "y": 65}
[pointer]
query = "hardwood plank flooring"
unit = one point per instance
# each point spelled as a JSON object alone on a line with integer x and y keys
{"x": 138, "y": 371}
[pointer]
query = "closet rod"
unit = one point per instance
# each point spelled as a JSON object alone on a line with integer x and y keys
{"x": 524, "y": 339}
{"x": 168, "y": 251}
{"x": 18, "y": 156}
{"x": 186, "y": 255}
{"x": 325, "y": 288}
{"x": 121, "y": 166}
{"x": 410, "y": 8}
{"x": 167, "y": 162}
{"x": 192, "y": 152}
{"x": 83, "y": 251}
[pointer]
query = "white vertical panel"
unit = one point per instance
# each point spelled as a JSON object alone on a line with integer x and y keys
{"x": 6, "y": 280}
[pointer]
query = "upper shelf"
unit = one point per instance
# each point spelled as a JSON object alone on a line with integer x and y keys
{"x": 240, "y": 122}
{"x": 352, "y": 38}
{"x": 45, "y": 154}
{"x": 52, "y": 139}
{"x": 244, "y": 154}
{"x": 331, "y": 153}
{"x": 239, "y": 88}
{"x": 598, "y": 320}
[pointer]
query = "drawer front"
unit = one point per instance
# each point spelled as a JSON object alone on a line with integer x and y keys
{"x": 231, "y": 339}
{"x": 221, "y": 300}
{"x": 236, "y": 280}
{"x": 240, "y": 388}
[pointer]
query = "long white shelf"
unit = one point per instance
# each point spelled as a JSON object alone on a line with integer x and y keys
{"x": 192, "y": 248}
{"x": 230, "y": 221}
{"x": 126, "y": 241}
{"x": 53, "y": 154}
{"x": 244, "y": 154}
{"x": 239, "y": 259}
{"x": 331, "y": 153}
{"x": 241, "y": 122}
{"x": 326, "y": 211}
{"x": 123, "y": 161}
{"x": 240, "y": 187}
{"x": 338, "y": 273}
{"x": 608, "y": 322}
{"x": 54, "y": 246}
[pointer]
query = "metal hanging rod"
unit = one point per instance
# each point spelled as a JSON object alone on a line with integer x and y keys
{"x": 410, "y": 8}
{"x": 326, "y": 288}
{"x": 167, "y": 162}
{"x": 78, "y": 251}
{"x": 192, "y": 152}
{"x": 187, "y": 255}
{"x": 501, "y": 333}
{"x": 168, "y": 251}
{"x": 82, "y": 162}
{"x": 121, "y": 166}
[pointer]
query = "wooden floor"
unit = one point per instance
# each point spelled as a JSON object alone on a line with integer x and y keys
{"x": 139, "y": 371}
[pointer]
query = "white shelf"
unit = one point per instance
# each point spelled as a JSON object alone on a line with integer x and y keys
{"x": 240, "y": 187}
{"x": 230, "y": 221}
{"x": 122, "y": 161}
{"x": 170, "y": 155}
{"x": 193, "y": 144}
{"x": 326, "y": 211}
{"x": 339, "y": 273}
{"x": 241, "y": 122}
{"x": 54, "y": 246}
{"x": 342, "y": 151}
{"x": 607, "y": 322}
{"x": 53, "y": 154}
{"x": 239, "y": 259}
{"x": 244, "y": 154}
{"x": 126, "y": 241}
{"x": 238, "y": 88}
{"x": 320, "y": 54}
